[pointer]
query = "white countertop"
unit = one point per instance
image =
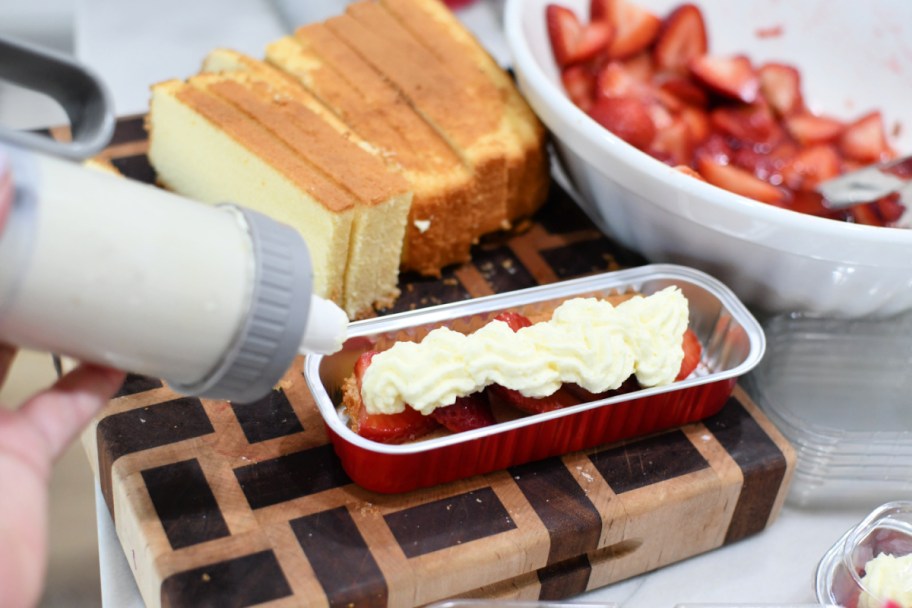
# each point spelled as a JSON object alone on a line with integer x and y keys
{"x": 132, "y": 45}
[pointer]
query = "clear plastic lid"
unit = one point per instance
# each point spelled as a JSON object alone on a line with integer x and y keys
{"x": 839, "y": 390}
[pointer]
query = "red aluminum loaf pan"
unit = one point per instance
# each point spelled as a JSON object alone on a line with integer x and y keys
{"x": 732, "y": 340}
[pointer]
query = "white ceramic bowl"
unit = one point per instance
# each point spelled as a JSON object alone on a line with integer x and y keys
{"x": 853, "y": 57}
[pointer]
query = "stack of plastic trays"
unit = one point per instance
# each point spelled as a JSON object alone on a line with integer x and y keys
{"x": 841, "y": 391}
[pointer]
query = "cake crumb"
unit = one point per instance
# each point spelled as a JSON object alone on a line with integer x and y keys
{"x": 422, "y": 225}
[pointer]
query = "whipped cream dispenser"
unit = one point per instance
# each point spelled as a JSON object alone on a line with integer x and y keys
{"x": 216, "y": 300}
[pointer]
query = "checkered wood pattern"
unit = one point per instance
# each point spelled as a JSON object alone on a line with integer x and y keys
{"x": 220, "y": 504}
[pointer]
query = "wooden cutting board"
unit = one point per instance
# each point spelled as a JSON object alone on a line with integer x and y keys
{"x": 220, "y": 504}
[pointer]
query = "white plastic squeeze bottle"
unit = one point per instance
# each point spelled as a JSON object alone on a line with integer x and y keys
{"x": 215, "y": 300}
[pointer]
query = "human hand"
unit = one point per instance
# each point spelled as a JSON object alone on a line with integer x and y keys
{"x": 6, "y": 188}
{"x": 31, "y": 439}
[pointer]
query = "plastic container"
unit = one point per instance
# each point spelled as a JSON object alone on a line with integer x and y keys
{"x": 839, "y": 390}
{"x": 888, "y": 529}
{"x": 215, "y": 300}
{"x": 732, "y": 342}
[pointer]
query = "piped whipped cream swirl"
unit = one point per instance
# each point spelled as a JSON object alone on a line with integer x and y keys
{"x": 588, "y": 341}
{"x": 888, "y": 577}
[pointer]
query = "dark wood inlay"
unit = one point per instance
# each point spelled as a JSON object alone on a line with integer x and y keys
{"x": 647, "y": 461}
{"x": 270, "y": 417}
{"x": 144, "y": 428}
{"x": 234, "y": 583}
{"x": 341, "y": 559}
{"x": 134, "y": 383}
{"x": 136, "y": 167}
{"x": 185, "y": 503}
{"x": 762, "y": 463}
{"x": 449, "y": 522}
{"x": 572, "y": 521}
{"x": 292, "y": 476}
{"x": 564, "y": 579}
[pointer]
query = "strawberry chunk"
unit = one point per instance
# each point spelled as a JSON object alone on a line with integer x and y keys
{"x": 467, "y": 413}
{"x": 572, "y": 41}
{"x": 693, "y": 352}
{"x": 733, "y": 77}
{"x": 684, "y": 91}
{"x": 515, "y": 320}
{"x": 626, "y": 117}
{"x": 809, "y": 129}
{"x": 580, "y": 86}
{"x": 890, "y": 208}
{"x": 681, "y": 39}
{"x": 752, "y": 123}
{"x": 635, "y": 28}
{"x": 739, "y": 181}
{"x": 673, "y": 144}
{"x": 385, "y": 428}
{"x": 697, "y": 122}
{"x": 780, "y": 85}
{"x": 614, "y": 80}
{"x": 811, "y": 166}
{"x": 531, "y": 405}
{"x": 865, "y": 140}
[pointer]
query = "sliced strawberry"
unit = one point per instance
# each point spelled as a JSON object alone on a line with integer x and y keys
{"x": 901, "y": 168}
{"x": 753, "y": 123}
{"x": 673, "y": 144}
{"x": 580, "y": 86}
{"x": 811, "y": 202}
{"x": 506, "y": 396}
{"x": 572, "y": 41}
{"x": 697, "y": 122}
{"x": 865, "y": 140}
{"x": 809, "y": 129}
{"x": 810, "y": 166}
{"x": 866, "y": 214}
{"x": 689, "y": 171}
{"x": 693, "y": 352}
{"x": 394, "y": 428}
{"x": 681, "y": 39}
{"x": 739, "y": 181}
{"x": 684, "y": 91}
{"x": 716, "y": 148}
{"x": 780, "y": 85}
{"x": 515, "y": 320}
{"x": 467, "y": 413}
{"x": 626, "y": 117}
{"x": 890, "y": 208}
{"x": 639, "y": 66}
{"x": 614, "y": 80}
{"x": 629, "y": 385}
{"x": 767, "y": 164}
{"x": 635, "y": 28}
{"x": 732, "y": 76}
{"x": 385, "y": 428}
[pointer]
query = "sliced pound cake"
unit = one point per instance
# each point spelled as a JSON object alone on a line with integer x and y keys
{"x": 442, "y": 34}
{"x": 216, "y": 140}
{"x": 451, "y": 199}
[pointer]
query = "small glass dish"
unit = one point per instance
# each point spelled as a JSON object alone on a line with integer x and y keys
{"x": 840, "y": 575}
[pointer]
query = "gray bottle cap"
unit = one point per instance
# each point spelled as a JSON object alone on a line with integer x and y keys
{"x": 269, "y": 338}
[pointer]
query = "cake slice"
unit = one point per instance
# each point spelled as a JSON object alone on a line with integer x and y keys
{"x": 215, "y": 139}
{"x": 470, "y": 117}
{"x": 432, "y": 24}
{"x": 450, "y": 200}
